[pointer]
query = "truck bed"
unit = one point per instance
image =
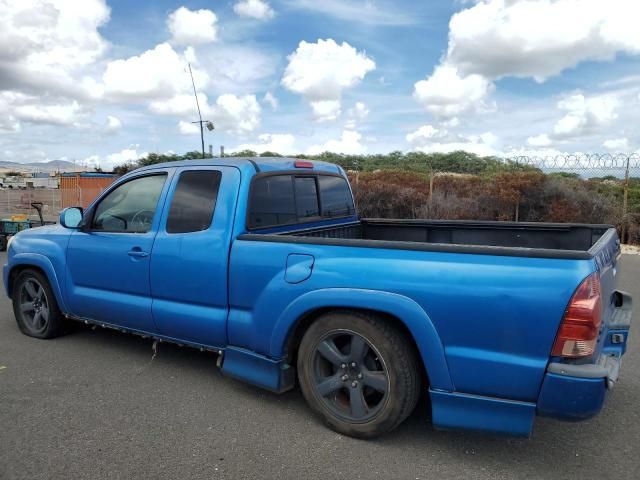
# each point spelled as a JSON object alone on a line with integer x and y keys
{"x": 548, "y": 240}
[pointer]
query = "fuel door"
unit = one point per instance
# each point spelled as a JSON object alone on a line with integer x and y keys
{"x": 299, "y": 267}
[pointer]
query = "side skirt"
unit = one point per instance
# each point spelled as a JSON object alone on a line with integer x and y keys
{"x": 153, "y": 336}
{"x": 454, "y": 410}
{"x": 245, "y": 365}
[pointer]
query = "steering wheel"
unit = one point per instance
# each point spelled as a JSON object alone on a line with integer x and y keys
{"x": 142, "y": 220}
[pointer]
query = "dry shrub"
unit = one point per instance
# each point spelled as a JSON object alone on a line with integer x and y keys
{"x": 531, "y": 196}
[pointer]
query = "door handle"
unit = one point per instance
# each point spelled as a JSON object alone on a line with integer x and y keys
{"x": 137, "y": 252}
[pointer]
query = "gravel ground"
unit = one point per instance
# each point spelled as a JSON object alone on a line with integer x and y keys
{"x": 94, "y": 404}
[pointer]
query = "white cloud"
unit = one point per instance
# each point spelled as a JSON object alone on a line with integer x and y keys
{"x": 585, "y": 115}
{"x": 192, "y": 27}
{"x": 188, "y": 128}
{"x": 326, "y": 110}
{"x": 180, "y": 105}
{"x": 156, "y": 73}
{"x": 238, "y": 68}
{"x": 62, "y": 115}
{"x": 270, "y": 100}
{"x": 540, "y": 38}
{"x": 380, "y": 12}
{"x": 236, "y": 114}
{"x": 9, "y": 124}
{"x": 321, "y": 71}
{"x": 425, "y": 133}
{"x": 617, "y": 144}
{"x": 125, "y": 155}
{"x": 541, "y": 140}
{"x": 492, "y": 39}
{"x": 282, "y": 143}
{"x": 113, "y": 124}
{"x": 430, "y": 139}
{"x": 446, "y": 94}
{"x": 349, "y": 144}
{"x": 16, "y": 107}
{"x": 43, "y": 44}
{"x": 514, "y": 153}
{"x": 107, "y": 162}
{"x": 230, "y": 113}
{"x": 258, "y": 9}
{"x": 356, "y": 115}
{"x": 472, "y": 145}
{"x": 451, "y": 122}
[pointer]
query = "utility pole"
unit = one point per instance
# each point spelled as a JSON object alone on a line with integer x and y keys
{"x": 200, "y": 121}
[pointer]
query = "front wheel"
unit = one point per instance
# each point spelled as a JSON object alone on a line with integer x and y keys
{"x": 35, "y": 306}
{"x": 359, "y": 372}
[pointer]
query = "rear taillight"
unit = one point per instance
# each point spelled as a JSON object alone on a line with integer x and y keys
{"x": 578, "y": 332}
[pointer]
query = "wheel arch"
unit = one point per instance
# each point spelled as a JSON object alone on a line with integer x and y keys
{"x": 403, "y": 311}
{"x": 40, "y": 263}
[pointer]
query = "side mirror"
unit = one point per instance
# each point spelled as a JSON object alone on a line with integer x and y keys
{"x": 71, "y": 217}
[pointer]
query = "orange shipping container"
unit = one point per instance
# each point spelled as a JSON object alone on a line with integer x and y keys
{"x": 80, "y": 190}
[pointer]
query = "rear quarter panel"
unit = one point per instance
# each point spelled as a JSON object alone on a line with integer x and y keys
{"x": 493, "y": 317}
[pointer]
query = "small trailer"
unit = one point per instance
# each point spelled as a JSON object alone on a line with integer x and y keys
{"x": 17, "y": 223}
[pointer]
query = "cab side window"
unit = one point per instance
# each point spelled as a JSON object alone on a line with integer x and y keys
{"x": 194, "y": 201}
{"x": 130, "y": 207}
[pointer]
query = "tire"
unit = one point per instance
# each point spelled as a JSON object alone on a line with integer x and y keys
{"x": 35, "y": 306}
{"x": 3, "y": 243}
{"x": 379, "y": 387}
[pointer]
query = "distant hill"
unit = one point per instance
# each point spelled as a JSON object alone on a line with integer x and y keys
{"x": 49, "y": 166}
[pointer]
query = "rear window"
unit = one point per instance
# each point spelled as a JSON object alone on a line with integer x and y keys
{"x": 289, "y": 199}
{"x": 306, "y": 197}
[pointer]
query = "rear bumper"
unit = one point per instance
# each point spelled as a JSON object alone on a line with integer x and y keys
{"x": 577, "y": 392}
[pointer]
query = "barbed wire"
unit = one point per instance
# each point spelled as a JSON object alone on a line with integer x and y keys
{"x": 587, "y": 164}
{"x": 586, "y": 161}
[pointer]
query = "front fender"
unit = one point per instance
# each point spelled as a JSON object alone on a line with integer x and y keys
{"x": 409, "y": 312}
{"x": 42, "y": 262}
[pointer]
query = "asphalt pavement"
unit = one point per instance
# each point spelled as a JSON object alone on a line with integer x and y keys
{"x": 94, "y": 404}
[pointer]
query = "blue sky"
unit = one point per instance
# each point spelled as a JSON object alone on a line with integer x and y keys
{"x": 104, "y": 82}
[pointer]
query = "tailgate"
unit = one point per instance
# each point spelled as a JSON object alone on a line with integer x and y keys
{"x": 616, "y": 305}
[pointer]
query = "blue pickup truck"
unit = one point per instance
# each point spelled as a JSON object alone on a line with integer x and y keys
{"x": 266, "y": 263}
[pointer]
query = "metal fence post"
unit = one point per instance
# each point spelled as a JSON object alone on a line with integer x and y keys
{"x": 625, "y": 202}
{"x": 430, "y": 189}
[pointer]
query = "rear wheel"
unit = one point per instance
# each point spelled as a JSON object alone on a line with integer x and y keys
{"x": 359, "y": 372}
{"x": 35, "y": 306}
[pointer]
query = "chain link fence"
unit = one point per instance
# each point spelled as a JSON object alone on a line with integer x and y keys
{"x": 621, "y": 169}
{"x": 18, "y": 202}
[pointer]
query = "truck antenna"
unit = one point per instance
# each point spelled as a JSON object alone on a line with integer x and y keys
{"x": 200, "y": 121}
